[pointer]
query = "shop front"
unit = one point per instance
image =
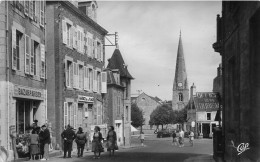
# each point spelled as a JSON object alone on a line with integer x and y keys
{"x": 29, "y": 105}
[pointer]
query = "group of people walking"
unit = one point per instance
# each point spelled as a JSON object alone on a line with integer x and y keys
{"x": 178, "y": 138}
{"x": 81, "y": 138}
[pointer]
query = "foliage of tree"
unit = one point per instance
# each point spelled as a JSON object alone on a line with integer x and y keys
{"x": 180, "y": 116}
{"x": 137, "y": 116}
{"x": 162, "y": 115}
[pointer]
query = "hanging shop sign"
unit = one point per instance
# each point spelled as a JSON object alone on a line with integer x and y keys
{"x": 27, "y": 92}
{"x": 85, "y": 99}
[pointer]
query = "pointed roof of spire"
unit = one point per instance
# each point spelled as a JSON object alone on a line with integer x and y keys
{"x": 117, "y": 62}
{"x": 180, "y": 70}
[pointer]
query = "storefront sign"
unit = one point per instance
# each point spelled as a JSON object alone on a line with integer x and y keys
{"x": 27, "y": 92}
{"x": 193, "y": 124}
{"x": 85, "y": 99}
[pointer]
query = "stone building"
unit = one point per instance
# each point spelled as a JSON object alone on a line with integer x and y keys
{"x": 147, "y": 104}
{"x": 217, "y": 82}
{"x": 180, "y": 95}
{"x": 75, "y": 61}
{"x": 238, "y": 38}
{"x": 118, "y": 98}
{"x": 22, "y": 68}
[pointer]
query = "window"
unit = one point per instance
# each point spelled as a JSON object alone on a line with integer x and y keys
{"x": 81, "y": 77}
{"x": 118, "y": 103}
{"x": 86, "y": 78}
{"x": 26, "y": 8}
{"x": 67, "y": 33}
{"x": 180, "y": 97}
{"x": 90, "y": 44}
{"x": 208, "y": 116}
{"x": 104, "y": 82}
{"x": 18, "y": 50}
{"x": 99, "y": 51}
{"x": 95, "y": 81}
{"x": 69, "y": 73}
{"x": 76, "y": 75}
{"x": 31, "y": 11}
{"x": 70, "y": 114}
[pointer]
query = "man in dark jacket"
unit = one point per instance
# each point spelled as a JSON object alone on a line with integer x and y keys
{"x": 68, "y": 136}
{"x": 45, "y": 140}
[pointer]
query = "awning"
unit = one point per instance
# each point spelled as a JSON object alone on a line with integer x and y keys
{"x": 133, "y": 129}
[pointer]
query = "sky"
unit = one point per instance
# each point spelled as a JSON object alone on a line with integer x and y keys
{"x": 148, "y": 40}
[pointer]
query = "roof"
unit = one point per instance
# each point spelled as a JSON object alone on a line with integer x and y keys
{"x": 117, "y": 62}
{"x": 206, "y": 101}
{"x": 156, "y": 99}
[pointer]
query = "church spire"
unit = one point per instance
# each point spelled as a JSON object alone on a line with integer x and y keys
{"x": 180, "y": 70}
{"x": 180, "y": 96}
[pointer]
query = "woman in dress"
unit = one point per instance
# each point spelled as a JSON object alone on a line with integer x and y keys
{"x": 111, "y": 140}
{"x": 96, "y": 143}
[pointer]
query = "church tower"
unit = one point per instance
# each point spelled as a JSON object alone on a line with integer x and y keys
{"x": 180, "y": 95}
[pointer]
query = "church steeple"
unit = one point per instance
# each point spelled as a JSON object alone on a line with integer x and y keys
{"x": 180, "y": 83}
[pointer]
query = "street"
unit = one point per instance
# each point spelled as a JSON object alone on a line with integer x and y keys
{"x": 155, "y": 150}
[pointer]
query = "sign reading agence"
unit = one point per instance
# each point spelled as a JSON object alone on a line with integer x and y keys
{"x": 85, "y": 99}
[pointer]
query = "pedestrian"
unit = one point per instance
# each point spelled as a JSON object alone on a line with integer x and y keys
{"x": 142, "y": 138}
{"x": 68, "y": 135}
{"x": 81, "y": 141}
{"x": 181, "y": 138}
{"x": 97, "y": 147}
{"x": 34, "y": 145}
{"x": 45, "y": 140}
{"x": 174, "y": 138}
{"x": 111, "y": 140}
{"x": 35, "y": 128}
{"x": 191, "y": 136}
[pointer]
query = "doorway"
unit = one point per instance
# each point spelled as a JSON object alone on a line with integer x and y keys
{"x": 206, "y": 130}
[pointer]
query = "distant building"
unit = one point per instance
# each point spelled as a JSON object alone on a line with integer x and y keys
{"x": 201, "y": 113}
{"x": 238, "y": 38}
{"x": 180, "y": 95}
{"x": 217, "y": 82}
{"x": 22, "y": 69}
{"x": 147, "y": 104}
{"x": 118, "y": 98}
{"x": 75, "y": 61}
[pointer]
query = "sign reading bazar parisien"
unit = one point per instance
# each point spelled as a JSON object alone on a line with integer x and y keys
{"x": 28, "y": 92}
{"x": 85, "y": 99}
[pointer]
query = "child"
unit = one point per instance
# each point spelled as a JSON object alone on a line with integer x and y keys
{"x": 142, "y": 138}
{"x": 191, "y": 138}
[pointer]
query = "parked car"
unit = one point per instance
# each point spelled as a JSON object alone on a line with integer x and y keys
{"x": 164, "y": 133}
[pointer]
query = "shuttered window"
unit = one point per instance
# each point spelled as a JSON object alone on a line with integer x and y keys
{"x": 42, "y": 13}
{"x": 65, "y": 112}
{"x": 64, "y": 31}
{"x": 14, "y": 58}
{"x": 43, "y": 61}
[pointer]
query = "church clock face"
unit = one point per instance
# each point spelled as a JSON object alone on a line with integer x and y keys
{"x": 179, "y": 84}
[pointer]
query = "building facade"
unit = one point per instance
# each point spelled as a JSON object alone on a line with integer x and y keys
{"x": 147, "y": 104}
{"x": 22, "y": 72}
{"x": 118, "y": 98}
{"x": 75, "y": 62}
{"x": 180, "y": 95}
{"x": 238, "y": 37}
{"x": 202, "y": 112}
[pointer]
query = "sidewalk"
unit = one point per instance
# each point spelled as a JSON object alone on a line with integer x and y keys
{"x": 203, "y": 158}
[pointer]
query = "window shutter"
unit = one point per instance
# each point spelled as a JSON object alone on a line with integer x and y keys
{"x": 32, "y": 58}
{"x": 26, "y": 8}
{"x": 65, "y": 109}
{"x": 14, "y": 59}
{"x": 67, "y": 73}
{"x": 74, "y": 37}
{"x": 77, "y": 76}
{"x": 75, "y": 114}
{"x": 42, "y": 65}
{"x": 74, "y": 75}
{"x": 95, "y": 80}
{"x": 102, "y": 55}
{"x": 27, "y": 54}
{"x": 86, "y": 43}
{"x": 64, "y": 31}
{"x": 71, "y": 36}
{"x": 31, "y": 9}
{"x": 84, "y": 78}
{"x": 82, "y": 42}
{"x": 103, "y": 82}
{"x": 95, "y": 48}
{"x": 79, "y": 43}
{"x": 42, "y": 13}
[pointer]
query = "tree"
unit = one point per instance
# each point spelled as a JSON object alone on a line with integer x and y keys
{"x": 137, "y": 116}
{"x": 161, "y": 115}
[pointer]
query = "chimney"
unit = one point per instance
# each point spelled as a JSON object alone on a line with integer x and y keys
{"x": 89, "y": 8}
{"x": 192, "y": 91}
